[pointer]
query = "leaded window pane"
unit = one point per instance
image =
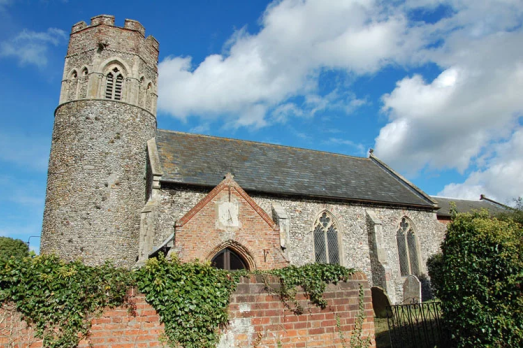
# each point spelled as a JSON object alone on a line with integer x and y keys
{"x": 403, "y": 254}
{"x": 332, "y": 240}
{"x": 326, "y": 248}
{"x": 413, "y": 253}
{"x": 319, "y": 244}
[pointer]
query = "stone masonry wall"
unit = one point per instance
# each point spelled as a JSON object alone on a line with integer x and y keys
{"x": 256, "y": 319}
{"x": 174, "y": 202}
{"x": 96, "y": 47}
{"x": 96, "y": 181}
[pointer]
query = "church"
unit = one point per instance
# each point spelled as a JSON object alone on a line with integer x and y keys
{"x": 121, "y": 190}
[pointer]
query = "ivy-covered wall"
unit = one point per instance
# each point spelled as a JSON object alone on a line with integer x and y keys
{"x": 257, "y": 319}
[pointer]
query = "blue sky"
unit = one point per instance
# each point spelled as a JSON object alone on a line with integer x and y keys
{"x": 435, "y": 87}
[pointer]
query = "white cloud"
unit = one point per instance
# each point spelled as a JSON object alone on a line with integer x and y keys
{"x": 500, "y": 178}
{"x": 31, "y": 47}
{"x": 259, "y": 73}
{"x": 452, "y": 121}
{"x": 25, "y": 150}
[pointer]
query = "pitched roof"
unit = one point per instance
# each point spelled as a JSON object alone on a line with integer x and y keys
{"x": 204, "y": 160}
{"x": 466, "y": 206}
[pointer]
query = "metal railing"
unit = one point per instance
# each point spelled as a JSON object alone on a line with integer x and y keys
{"x": 418, "y": 326}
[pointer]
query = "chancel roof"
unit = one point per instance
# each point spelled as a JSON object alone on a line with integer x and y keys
{"x": 467, "y": 206}
{"x": 193, "y": 159}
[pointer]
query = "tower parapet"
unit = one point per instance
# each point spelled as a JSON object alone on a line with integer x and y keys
{"x": 97, "y": 166}
{"x": 108, "y": 62}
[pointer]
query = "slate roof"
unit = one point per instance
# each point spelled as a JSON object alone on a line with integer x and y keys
{"x": 466, "y": 206}
{"x": 204, "y": 160}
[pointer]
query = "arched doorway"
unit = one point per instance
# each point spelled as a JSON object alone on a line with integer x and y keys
{"x": 229, "y": 260}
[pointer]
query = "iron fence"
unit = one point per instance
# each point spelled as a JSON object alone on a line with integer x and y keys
{"x": 417, "y": 326}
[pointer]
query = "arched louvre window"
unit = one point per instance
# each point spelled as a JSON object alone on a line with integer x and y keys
{"x": 118, "y": 88}
{"x": 407, "y": 249}
{"x": 114, "y": 85}
{"x": 326, "y": 249}
{"x": 109, "y": 87}
{"x": 229, "y": 260}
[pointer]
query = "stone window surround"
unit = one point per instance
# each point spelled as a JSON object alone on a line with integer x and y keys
{"x": 339, "y": 235}
{"x": 413, "y": 263}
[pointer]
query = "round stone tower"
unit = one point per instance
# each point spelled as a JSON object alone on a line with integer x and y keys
{"x": 96, "y": 184}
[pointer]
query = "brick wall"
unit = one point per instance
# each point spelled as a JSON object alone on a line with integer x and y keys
{"x": 251, "y": 232}
{"x": 256, "y": 319}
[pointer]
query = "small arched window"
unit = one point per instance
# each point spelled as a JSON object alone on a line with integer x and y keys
{"x": 114, "y": 84}
{"x": 326, "y": 248}
{"x": 229, "y": 260}
{"x": 85, "y": 72}
{"x": 407, "y": 249}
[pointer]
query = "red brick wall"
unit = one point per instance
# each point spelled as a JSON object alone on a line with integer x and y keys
{"x": 259, "y": 319}
{"x": 199, "y": 234}
{"x": 256, "y": 319}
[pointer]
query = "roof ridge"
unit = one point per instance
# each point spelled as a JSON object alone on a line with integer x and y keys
{"x": 459, "y": 199}
{"x": 264, "y": 144}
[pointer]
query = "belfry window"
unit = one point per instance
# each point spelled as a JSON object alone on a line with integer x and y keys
{"x": 407, "y": 249}
{"x": 229, "y": 260}
{"x": 114, "y": 85}
{"x": 326, "y": 248}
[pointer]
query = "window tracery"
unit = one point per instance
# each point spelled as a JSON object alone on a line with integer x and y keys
{"x": 326, "y": 245}
{"x": 114, "y": 84}
{"x": 407, "y": 249}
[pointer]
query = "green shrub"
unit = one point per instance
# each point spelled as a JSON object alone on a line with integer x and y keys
{"x": 482, "y": 278}
{"x": 59, "y": 298}
{"x": 12, "y": 247}
{"x": 435, "y": 267}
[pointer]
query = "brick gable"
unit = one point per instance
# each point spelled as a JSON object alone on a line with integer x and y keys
{"x": 228, "y": 218}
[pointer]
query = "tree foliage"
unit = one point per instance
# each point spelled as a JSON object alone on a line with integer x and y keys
{"x": 12, "y": 247}
{"x": 515, "y": 214}
{"x": 482, "y": 282}
{"x": 435, "y": 268}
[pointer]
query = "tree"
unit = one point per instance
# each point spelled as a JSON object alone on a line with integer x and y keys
{"x": 481, "y": 294}
{"x": 13, "y": 247}
{"x": 515, "y": 214}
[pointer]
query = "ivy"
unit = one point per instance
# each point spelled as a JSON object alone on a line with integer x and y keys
{"x": 58, "y": 298}
{"x": 191, "y": 299}
{"x": 312, "y": 278}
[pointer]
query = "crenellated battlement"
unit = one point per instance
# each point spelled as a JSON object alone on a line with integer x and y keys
{"x": 105, "y": 61}
{"x": 104, "y": 25}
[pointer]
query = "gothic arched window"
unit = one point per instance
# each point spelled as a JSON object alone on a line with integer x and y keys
{"x": 407, "y": 249}
{"x": 114, "y": 84}
{"x": 326, "y": 248}
{"x": 229, "y": 260}
{"x": 73, "y": 85}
